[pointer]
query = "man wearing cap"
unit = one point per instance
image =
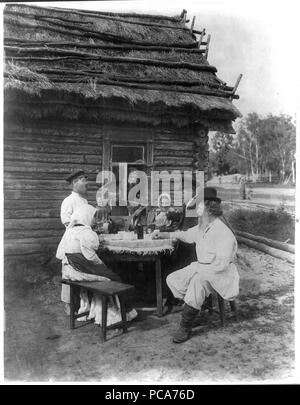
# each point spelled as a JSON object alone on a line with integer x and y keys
{"x": 76, "y": 199}
{"x": 216, "y": 248}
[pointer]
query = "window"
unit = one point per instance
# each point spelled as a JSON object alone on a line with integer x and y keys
{"x": 127, "y": 158}
{"x": 128, "y": 153}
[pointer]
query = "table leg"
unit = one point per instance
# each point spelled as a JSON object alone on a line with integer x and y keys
{"x": 158, "y": 286}
{"x": 104, "y": 318}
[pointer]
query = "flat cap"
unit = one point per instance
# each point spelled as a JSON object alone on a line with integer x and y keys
{"x": 75, "y": 174}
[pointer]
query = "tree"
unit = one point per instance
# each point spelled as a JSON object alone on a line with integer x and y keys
{"x": 266, "y": 145}
{"x": 278, "y": 135}
{"x": 221, "y": 144}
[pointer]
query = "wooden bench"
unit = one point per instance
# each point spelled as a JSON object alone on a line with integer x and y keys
{"x": 105, "y": 289}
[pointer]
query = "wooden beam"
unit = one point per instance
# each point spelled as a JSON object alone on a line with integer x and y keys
{"x": 270, "y": 242}
{"x": 207, "y": 46}
{"x": 192, "y": 26}
{"x": 201, "y": 37}
{"x": 67, "y": 55}
{"x": 12, "y": 41}
{"x": 236, "y": 85}
{"x": 117, "y": 19}
{"x": 289, "y": 257}
{"x": 127, "y": 79}
{"x": 138, "y": 86}
{"x": 68, "y": 29}
{"x": 183, "y": 16}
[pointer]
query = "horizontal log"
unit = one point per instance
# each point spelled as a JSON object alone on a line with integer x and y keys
{"x": 280, "y": 254}
{"x": 50, "y": 167}
{"x": 112, "y": 59}
{"x": 25, "y": 43}
{"x": 173, "y": 146}
{"x": 172, "y": 161}
{"x": 170, "y": 168}
{"x": 159, "y": 153}
{"x": 31, "y": 233}
{"x": 32, "y": 213}
{"x": 34, "y": 157}
{"x": 63, "y": 29}
{"x": 49, "y": 131}
{"x": 33, "y": 223}
{"x": 54, "y": 148}
{"x": 13, "y": 174}
{"x": 44, "y": 246}
{"x": 30, "y": 204}
{"x": 36, "y": 184}
{"x": 270, "y": 242}
{"x": 41, "y": 195}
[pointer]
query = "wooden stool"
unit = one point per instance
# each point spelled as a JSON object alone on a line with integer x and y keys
{"x": 105, "y": 289}
{"x": 208, "y": 304}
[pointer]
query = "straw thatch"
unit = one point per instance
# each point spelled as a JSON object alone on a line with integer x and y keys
{"x": 84, "y": 65}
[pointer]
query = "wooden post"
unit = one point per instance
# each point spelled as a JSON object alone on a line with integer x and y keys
{"x": 201, "y": 37}
{"x": 183, "y": 16}
{"x": 207, "y": 46}
{"x": 106, "y": 154}
{"x": 192, "y": 26}
{"x": 236, "y": 85}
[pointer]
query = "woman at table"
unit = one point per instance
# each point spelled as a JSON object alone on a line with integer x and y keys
{"x": 78, "y": 252}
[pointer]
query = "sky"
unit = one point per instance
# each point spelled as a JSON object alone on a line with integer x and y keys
{"x": 255, "y": 38}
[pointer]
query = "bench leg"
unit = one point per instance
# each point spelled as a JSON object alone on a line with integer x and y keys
{"x": 123, "y": 314}
{"x": 221, "y": 309}
{"x": 72, "y": 307}
{"x": 104, "y": 318}
{"x": 234, "y": 309}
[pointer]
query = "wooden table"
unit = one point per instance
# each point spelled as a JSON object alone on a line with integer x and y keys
{"x": 125, "y": 253}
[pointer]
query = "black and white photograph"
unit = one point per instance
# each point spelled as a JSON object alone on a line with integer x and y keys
{"x": 149, "y": 193}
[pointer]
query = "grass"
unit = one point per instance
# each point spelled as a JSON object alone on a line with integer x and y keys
{"x": 278, "y": 224}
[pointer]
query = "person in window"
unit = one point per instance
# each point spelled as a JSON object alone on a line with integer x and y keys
{"x": 214, "y": 269}
{"x": 78, "y": 252}
{"x": 167, "y": 218}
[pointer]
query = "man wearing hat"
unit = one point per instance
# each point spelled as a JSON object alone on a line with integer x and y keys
{"x": 216, "y": 248}
{"x": 78, "y": 180}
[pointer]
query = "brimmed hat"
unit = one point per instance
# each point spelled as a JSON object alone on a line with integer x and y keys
{"x": 210, "y": 194}
{"x": 74, "y": 175}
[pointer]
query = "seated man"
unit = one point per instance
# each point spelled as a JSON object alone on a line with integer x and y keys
{"x": 216, "y": 247}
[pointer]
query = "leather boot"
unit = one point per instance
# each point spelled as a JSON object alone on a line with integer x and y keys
{"x": 183, "y": 333}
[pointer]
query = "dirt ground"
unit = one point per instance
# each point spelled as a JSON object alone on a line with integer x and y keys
{"x": 258, "y": 348}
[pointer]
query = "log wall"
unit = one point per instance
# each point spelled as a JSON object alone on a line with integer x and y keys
{"x": 39, "y": 155}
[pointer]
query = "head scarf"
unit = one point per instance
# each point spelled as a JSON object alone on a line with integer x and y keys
{"x": 160, "y": 198}
{"x": 83, "y": 216}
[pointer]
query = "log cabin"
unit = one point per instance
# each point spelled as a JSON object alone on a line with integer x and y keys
{"x": 86, "y": 89}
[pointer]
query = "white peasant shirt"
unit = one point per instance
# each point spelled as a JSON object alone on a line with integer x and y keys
{"x": 69, "y": 205}
{"x": 216, "y": 249}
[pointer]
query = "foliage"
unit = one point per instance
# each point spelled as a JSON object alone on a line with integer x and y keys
{"x": 263, "y": 146}
{"x": 220, "y": 156}
{"x": 277, "y": 224}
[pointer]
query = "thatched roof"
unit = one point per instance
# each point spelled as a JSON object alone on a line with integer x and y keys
{"x": 96, "y": 65}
